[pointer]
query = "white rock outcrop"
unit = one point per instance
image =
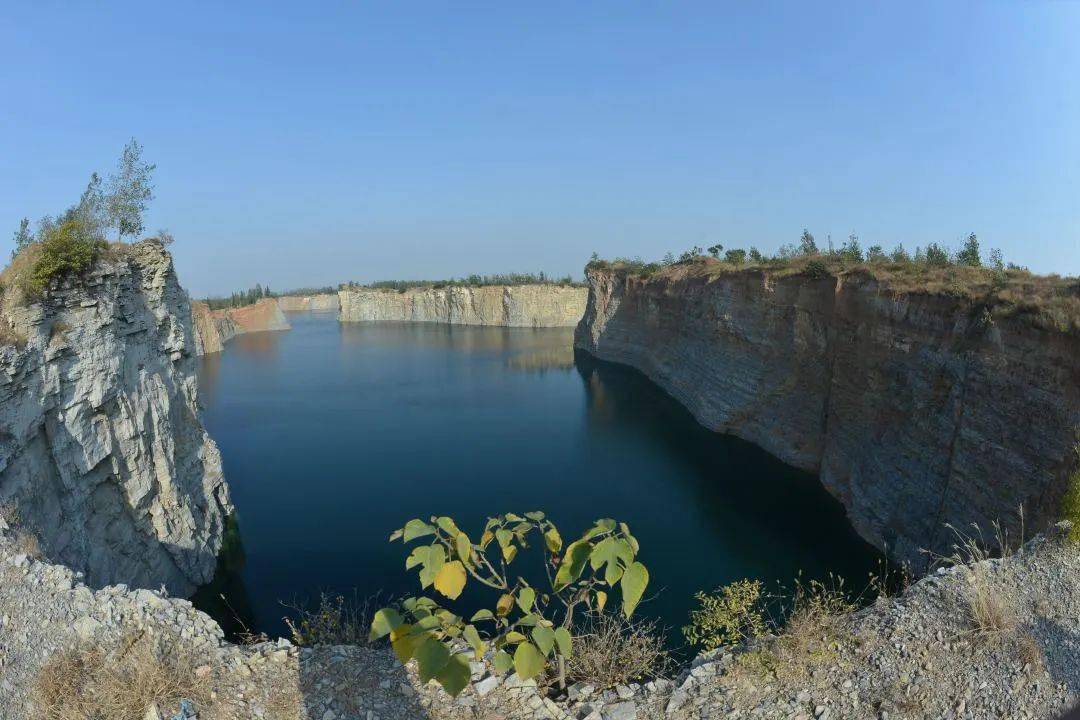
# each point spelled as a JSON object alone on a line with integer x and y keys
{"x": 509, "y": 305}
{"x": 103, "y": 455}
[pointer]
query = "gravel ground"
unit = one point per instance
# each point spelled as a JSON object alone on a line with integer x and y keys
{"x": 919, "y": 655}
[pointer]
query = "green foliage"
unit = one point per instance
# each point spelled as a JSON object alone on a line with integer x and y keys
{"x": 1070, "y": 503}
{"x": 23, "y": 237}
{"x": 689, "y": 256}
{"x": 756, "y": 256}
{"x": 65, "y": 249}
{"x": 540, "y": 278}
{"x": 900, "y": 255}
{"x": 241, "y": 298}
{"x": 807, "y": 245}
{"x": 715, "y": 250}
{"x": 969, "y": 255}
{"x": 852, "y": 250}
{"x": 130, "y": 191}
{"x": 734, "y": 614}
{"x": 936, "y": 256}
{"x": 875, "y": 254}
{"x": 528, "y": 627}
{"x": 816, "y": 269}
{"x": 735, "y": 257}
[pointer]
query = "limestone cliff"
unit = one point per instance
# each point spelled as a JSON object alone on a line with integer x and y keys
{"x": 309, "y": 303}
{"x": 510, "y": 305}
{"x": 213, "y": 328}
{"x": 916, "y": 409}
{"x": 102, "y": 451}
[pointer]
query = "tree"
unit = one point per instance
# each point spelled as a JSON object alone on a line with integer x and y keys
{"x": 756, "y": 256}
{"x": 852, "y": 250}
{"x": 900, "y": 255}
{"x": 23, "y": 237}
{"x": 875, "y": 254}
{"x": 527, "y": 628}
{"x": 736, "y": 257}
{"x": 807, "y": 246}
{"x": 970, "y": 254}
{"x": 715, "y": 250}
{"x": 130, "y": 191}
{"x": 936, "y": 256}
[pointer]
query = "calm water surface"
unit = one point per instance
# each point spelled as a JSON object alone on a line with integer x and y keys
{"x": 334, "y": 434}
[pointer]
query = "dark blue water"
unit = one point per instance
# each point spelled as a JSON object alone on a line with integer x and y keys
{"x": 334, "y": 434}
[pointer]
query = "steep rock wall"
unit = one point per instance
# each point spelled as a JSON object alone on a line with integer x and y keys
{"x": 214, "y": 328}
{"x": 510, "y": 305}
{"x": 916, "y": 410}
{"x": 309, "y": 303}
{"x": 103, "y": 455}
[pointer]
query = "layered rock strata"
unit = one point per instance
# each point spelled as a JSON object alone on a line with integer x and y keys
{"x": 509, "y": 305}
{"x": 309, "y": 303}
{"x": 214, "y": 328}
{"x": 917, "y": 410}
{"x": 102, "y": 451}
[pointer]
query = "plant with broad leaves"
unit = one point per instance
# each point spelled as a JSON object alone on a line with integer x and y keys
{"x": 529, "y": 627}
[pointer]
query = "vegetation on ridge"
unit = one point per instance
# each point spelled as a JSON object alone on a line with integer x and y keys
{"x": 540, "y": 278}
{"x": 1049, "y": 301}
{"x": 70, "y": 243}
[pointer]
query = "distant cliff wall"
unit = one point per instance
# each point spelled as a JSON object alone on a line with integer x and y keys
{"x": 213, "y": 328}
{"x": 103, "y": 455}
{"x": 916, "y": 409}
{"x": 309, "y": 303}
{"x": 510, "y": 305}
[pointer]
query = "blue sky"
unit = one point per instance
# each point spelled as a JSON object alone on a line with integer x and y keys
{"x": 319, "y": 142}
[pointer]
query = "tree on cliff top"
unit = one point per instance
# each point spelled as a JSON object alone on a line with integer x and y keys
{"x": 807, "y": 245}
{"x": 130, "y": 190}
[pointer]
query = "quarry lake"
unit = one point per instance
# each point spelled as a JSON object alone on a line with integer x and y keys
{"x": 333, "y": 435}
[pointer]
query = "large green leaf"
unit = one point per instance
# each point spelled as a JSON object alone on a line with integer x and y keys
{"x": 454, "y": 676}
{"x": 384, "y": 621}
{"x": 544, "y": 639}
{"x": 463, "y": 547}
{"x": 431, "y": 657}
{"x": 564, "y": 642}
{"x": 525, "y": 599}
{"x": 503, "y": 661}
{"x": 405, "y": 642}
{"x": 629, "y": 538}
{"x": 535, "y": 515}
{"x": 553, "y": 540}
{"x": 417, "y": 529}
{"x": 434, "y": 562}
{"x": 573, "y": 563}
{"x": 634, "y": 581}
{"x": 450, "y": 580}
{"x": 504, "y": 537}
{"x": 418, "y": 556}
{"x": 528, "y": 662}
{"x": 473, "y": 638}
{"x": 447, "y": 525}
{"x": 483, "y": 614}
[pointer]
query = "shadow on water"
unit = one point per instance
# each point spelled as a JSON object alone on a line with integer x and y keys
{"x": 351, "y": 429}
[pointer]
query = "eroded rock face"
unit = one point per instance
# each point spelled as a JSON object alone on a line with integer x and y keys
{"x": 102, "y": 450}
{"x": 214, "y": 328}
{"x": 916, "y": 410}
{"x": 509, "y": 305}
{"x": 308, "y": 303}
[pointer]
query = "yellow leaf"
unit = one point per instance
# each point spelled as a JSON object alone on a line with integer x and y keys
{"x": 505, "y": 604}
{"x": 601, "y": 600}
{"x": 450, "y": 580}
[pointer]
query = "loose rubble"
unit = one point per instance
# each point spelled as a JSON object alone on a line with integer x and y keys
{"x": 908, "y": 657}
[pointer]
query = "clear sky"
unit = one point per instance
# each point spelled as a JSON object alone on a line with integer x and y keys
{"x": 311, "y": 143}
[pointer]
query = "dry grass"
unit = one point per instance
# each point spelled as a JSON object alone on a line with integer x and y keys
{"x": 17, "y": 276}
{"x": 989, "y": 610}
{"x": 121, "y": 681}
{"x": 611, "y": 650}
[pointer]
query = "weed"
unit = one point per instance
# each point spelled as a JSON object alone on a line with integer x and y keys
{"x": 610, "y": 650}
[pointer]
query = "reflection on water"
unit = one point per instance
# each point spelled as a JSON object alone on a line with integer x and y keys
{"x": 344, "y": 431}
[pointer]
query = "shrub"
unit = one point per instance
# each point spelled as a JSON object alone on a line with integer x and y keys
{"x": 736, "y": 257}
{"x": 611, "y": 650}
{"x": 587, "y": 569}
{"x": 936, "y": 256}
{"x": 969, "y": 255}
{"x": 730, "y": 616}
{"x": 900, "y": 255}
{"x": 68, "y": 248}
{"x": 816, "y": 269}
{"x": 852, "y": 250}
{"x": 756, "y": 256}
{"x": 875, "y": 254}
{"x": 335, "y": 621}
